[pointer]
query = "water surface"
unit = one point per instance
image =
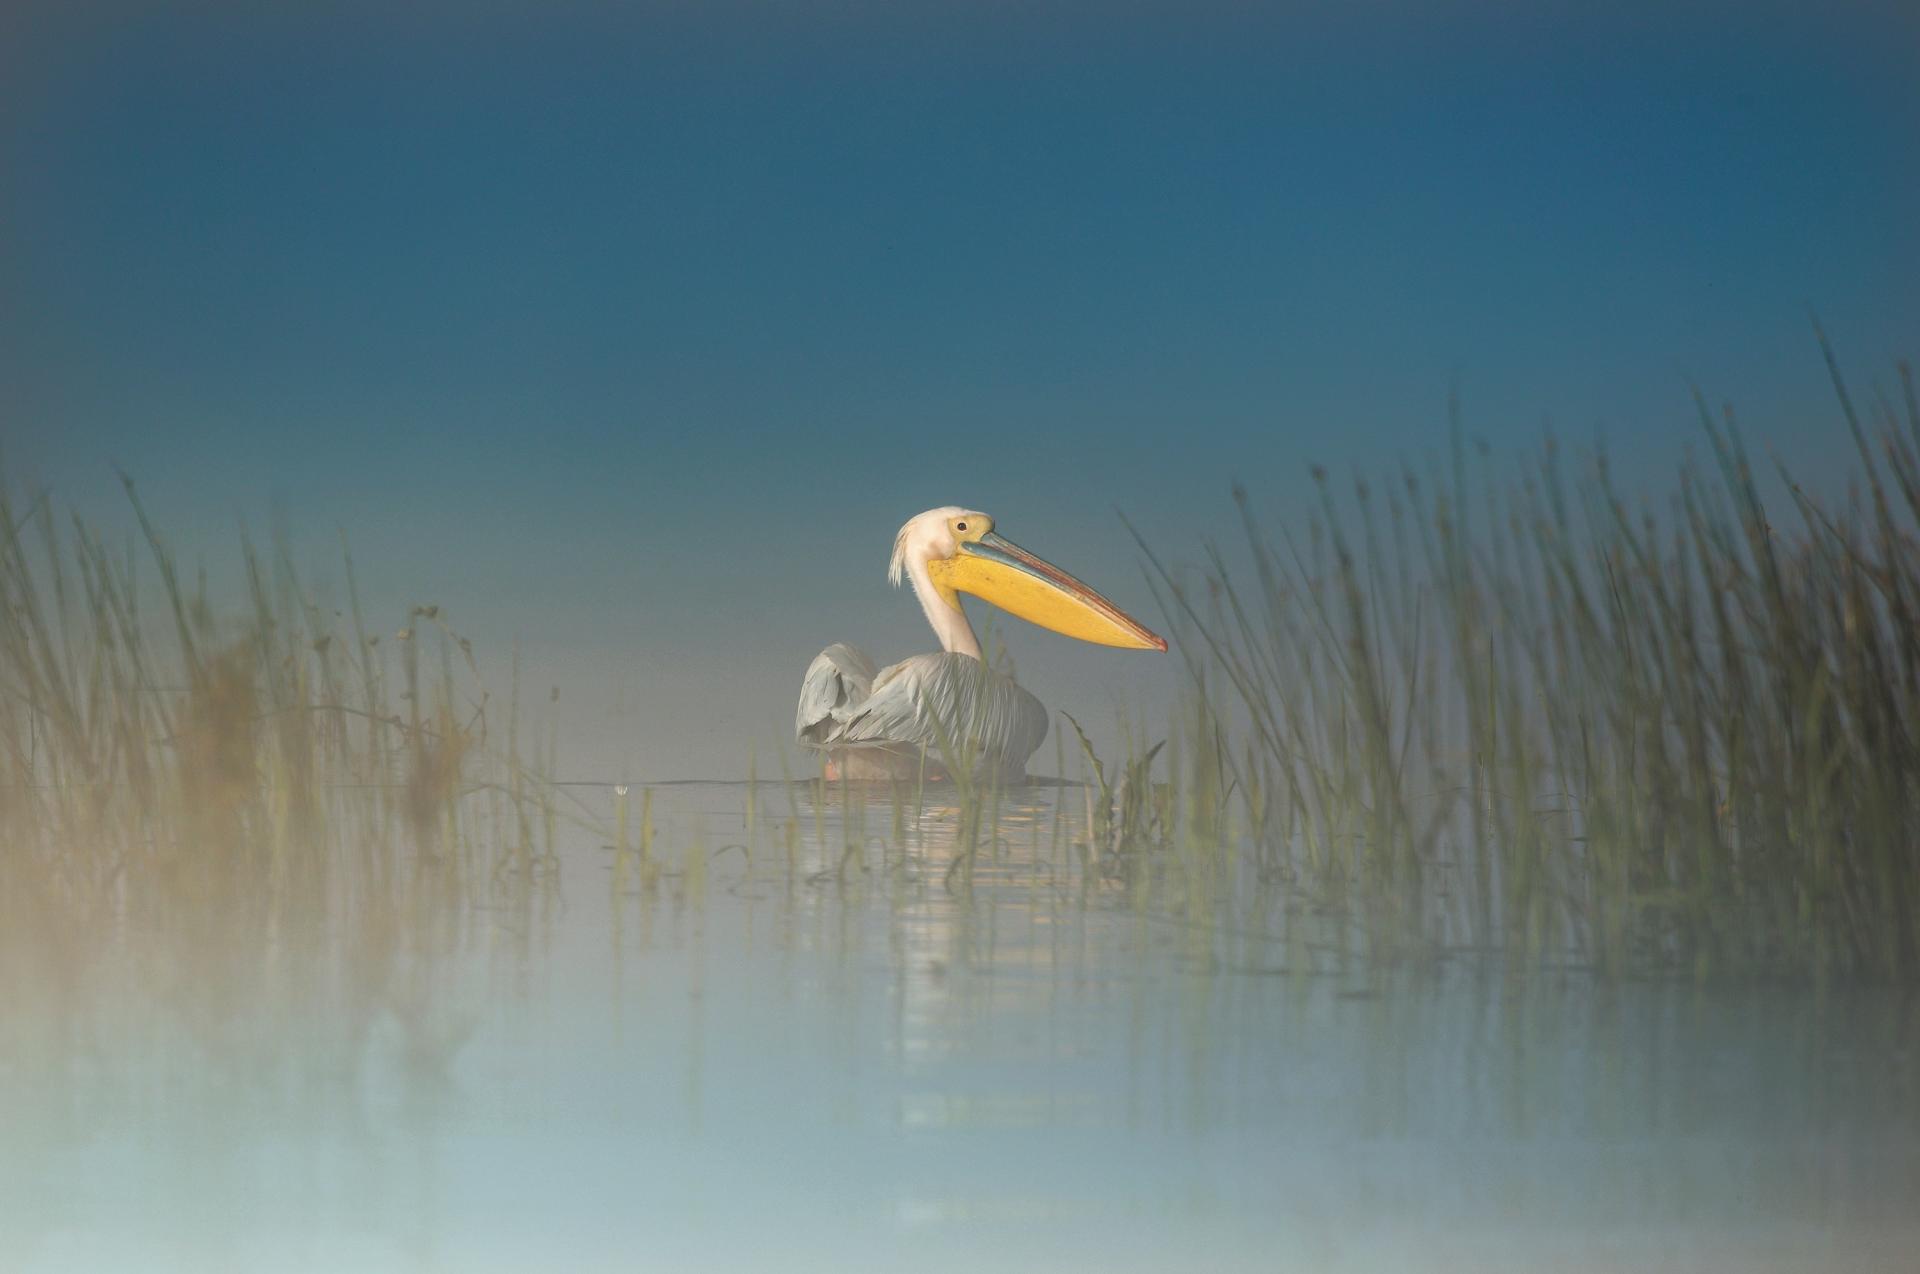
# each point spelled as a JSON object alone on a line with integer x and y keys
{"x": 762, "y": 1049}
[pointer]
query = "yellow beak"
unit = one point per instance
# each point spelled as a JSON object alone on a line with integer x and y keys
{"x": 996, "y": 570}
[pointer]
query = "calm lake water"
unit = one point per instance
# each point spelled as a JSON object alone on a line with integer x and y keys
{"x": 746, "y": 1059}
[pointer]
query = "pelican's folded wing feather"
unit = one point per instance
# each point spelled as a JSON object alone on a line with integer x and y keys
{"x": 935, "y": 702}
{"x": 837, "y": 683}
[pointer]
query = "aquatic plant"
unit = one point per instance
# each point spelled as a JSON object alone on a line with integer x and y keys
{"x": 1533, "y": 715}
{"x": 267, "y": 804}
{"x": 1521, "y": 715}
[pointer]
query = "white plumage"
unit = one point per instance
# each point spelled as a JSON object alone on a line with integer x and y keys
{"x": 948, "y": 705}
{"x": 931, "y": 713}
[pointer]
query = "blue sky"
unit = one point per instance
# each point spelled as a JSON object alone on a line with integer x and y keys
{"x": 634, "y": 336}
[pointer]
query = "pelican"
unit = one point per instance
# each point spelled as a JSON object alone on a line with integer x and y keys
{"x": 939, "y": 709}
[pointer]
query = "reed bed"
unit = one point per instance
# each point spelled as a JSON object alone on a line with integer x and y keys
{"x": 238, "y": 811}
{"x": 1520, "y": 715}
{"x": 1531, "y": 715}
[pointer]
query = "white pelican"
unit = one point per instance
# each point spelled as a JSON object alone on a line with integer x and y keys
{"x": 951, "y": 707}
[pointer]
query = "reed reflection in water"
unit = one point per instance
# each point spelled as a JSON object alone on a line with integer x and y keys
{"x": 775, "y": 1028}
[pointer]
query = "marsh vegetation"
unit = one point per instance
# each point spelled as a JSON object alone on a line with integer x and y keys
{"x": 1543, "y": 717}
{"x": 1495, "y": 815}
{"x": 1530, "y": 718}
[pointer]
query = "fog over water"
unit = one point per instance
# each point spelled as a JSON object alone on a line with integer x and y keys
{"x": 618, "y": 345}
{"x": 710, "y": 1059}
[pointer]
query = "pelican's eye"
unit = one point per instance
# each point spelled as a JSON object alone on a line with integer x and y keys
{"x": 959, "y": 526}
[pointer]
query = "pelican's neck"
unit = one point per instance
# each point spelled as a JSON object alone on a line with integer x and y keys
{"x": 949, "y": 621}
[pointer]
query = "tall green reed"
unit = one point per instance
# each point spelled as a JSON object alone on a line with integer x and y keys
{"x": 1526, "y": 713}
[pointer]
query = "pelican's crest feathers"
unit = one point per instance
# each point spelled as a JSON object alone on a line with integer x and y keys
{"x": 897, "y": 565}
{"x": 927, "y": 531}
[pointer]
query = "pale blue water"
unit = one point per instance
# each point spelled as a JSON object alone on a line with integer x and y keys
{"x": 772, "y": 1070}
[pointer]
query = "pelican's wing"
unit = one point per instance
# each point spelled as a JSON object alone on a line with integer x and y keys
{"x": 936, "y": 702}
{"x": 837, "y": 682}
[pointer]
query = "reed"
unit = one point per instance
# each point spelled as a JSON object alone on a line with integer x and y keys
{"x": 1469, "y": 711}
{"x": 272, "y": 807}
{"x": 1530, "y": 715}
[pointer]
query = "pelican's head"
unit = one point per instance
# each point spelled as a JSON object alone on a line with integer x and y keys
{"x": 961, "y": 553}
